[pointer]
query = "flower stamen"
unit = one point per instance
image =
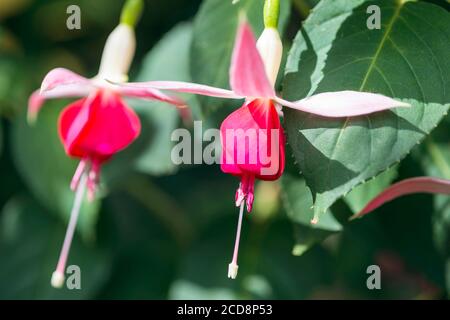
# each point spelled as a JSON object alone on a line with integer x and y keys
{"x": 233, "y": 267}
{"x": 76, "y": 177}
{"x": 57, "y": 280}
{"x": 240, "y": 195}
{"x": 250, "y": 192}
{"x": 93, "y": 180}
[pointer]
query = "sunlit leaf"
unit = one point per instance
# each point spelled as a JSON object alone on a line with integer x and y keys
{"x": 298, "y": 201}
{"x": 436, "y": 162}
{"x": 406, "y": 59}
{"x": 362, "y": 194}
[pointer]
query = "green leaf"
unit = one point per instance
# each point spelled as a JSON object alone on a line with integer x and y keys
{"x": 14, "y": 80}
{"x": 362, "y": 194}
{"x": 30, "y": 241}
{"x": 168, "y": 60}
{"x": 437, "y": 158}
{"x": 437, "y": 164}
{"x": 213, "y": 40}
{"x": 298, "y": 201}
{"x": 306, "y": 237}
{"x": 47, "y": 170}
{"x": 406, "y": 59}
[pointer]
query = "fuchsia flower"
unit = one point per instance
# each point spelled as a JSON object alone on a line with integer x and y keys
{"x": 252, "y": 77}
{"x": 406, "y": 187}
{"x": 96, "y": 127}
{"x": 100, "y": 124}
{"x": 265, "y": 146}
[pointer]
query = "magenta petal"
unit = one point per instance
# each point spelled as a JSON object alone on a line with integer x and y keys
{"x": 247, "y": 73}
{"x": 343, "y": 103}
{"x": 80, "y": 120}
{"x": 186, "y": 87}
{"x": 405, "y": 187}
{"x": 72, "y": 121}
{"x": 98, "y": 127}
{"x": 253, "y": 141}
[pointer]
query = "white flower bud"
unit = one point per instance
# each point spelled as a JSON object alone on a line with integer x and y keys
{"x": 270, "y": 48}
{"x": 118, "y": 54}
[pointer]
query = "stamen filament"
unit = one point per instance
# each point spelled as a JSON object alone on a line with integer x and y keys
{"x": 233, "y": 267}
{"x": 93, "y": 179}
{"x": 78, "y": 172}
{"x": 57, "y": 280}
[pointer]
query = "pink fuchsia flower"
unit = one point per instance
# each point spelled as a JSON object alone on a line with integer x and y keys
{"x": 100, "y": 124}
{"x": 406, "y": 187}
{"x": 252, "y": 146}
{"x": 252, "y": 77}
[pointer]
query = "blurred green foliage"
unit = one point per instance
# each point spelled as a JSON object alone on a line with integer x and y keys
{"x": 158, "y": 235}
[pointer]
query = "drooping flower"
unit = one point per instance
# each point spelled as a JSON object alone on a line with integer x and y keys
{"x": 100, "y": 124}
{"x": 405, "y": 187}
{"x": 252, "y": 77}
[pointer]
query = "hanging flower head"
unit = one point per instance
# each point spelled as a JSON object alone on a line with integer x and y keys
{"x": 252, "y": 137}
{"x": 100, "y": 124}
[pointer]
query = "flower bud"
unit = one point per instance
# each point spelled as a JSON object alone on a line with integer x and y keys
{"x": 270, "y": 48}
{"x": 118, "y": 54}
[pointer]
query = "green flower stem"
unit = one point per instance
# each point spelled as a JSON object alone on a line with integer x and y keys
{"x": 131, "y": 12}
{"x": 271, "y": 13}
